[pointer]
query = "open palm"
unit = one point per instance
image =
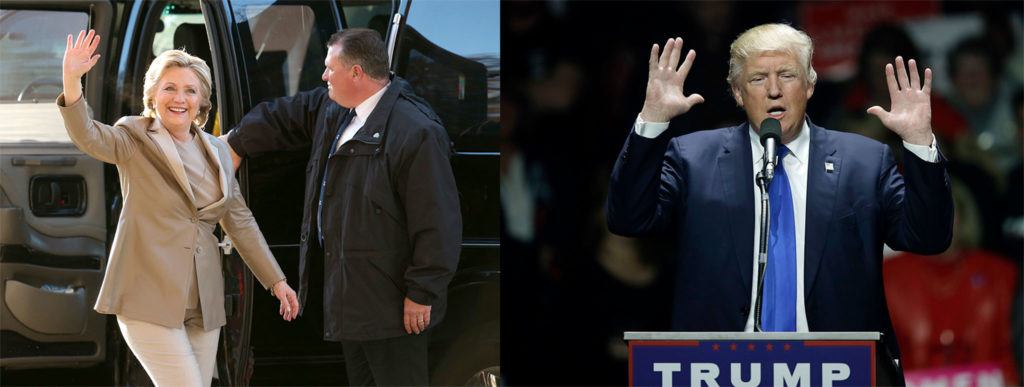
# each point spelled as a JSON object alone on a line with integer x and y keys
{"x": 910, "y": 115}
{"x": 665, "y": 98}
{"x": 79, "y": 55}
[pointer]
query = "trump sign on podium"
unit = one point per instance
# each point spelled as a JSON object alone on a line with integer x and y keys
{"x": 752, "y": 359}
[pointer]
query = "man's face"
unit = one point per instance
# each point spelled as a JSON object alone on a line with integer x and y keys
{"x": 773, "y": 85}
{"x": 340, "y": 78}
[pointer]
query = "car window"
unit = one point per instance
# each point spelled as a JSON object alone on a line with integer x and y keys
{"x": 32, "y": 45}
{"x": 175, "y": 21}
{"x": 374, "y": 15}
{"x": 469, "y": 28}
{"x": 287, "y": 45}
{"x": 450, "y": 53}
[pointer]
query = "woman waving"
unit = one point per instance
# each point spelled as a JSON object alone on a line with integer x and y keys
{"x": 163, "y": 278}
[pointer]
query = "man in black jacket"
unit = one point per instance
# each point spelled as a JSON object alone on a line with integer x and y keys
{"x": 380, "y": 204}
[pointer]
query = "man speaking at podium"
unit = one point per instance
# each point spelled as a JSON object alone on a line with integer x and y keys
{"x": 834, "y": 200}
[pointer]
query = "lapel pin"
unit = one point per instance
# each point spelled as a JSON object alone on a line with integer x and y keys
{"x": 376, "y": 135}
{"x": 829, "y": 167}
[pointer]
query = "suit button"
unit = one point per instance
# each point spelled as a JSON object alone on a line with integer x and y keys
{"x": 327, "y": 254}
{"x": 376, "y": 210}
{"x": 199, "y": 250}
{"x": 351, "y": 150}
{"x": 302, "y": 238}
{"x": 194, "y": 219}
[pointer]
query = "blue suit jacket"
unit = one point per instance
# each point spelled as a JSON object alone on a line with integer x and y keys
{"x": 698, "y": 189}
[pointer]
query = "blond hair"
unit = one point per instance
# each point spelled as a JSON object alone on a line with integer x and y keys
{"x": 182, "y": 59}
{"x": 771, "y": 38}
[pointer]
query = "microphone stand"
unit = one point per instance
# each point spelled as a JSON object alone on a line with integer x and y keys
{"x": 764, "y": 179}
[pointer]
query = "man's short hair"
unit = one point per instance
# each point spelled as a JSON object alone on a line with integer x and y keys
{"x": 771, "y": 38}
{"x": 363, "y": 47}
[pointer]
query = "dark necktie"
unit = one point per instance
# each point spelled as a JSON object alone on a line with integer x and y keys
{"x": 780, "y": 277}
{"x": 323, "y": 182}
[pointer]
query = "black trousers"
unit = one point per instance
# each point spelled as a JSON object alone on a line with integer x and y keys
{"x": 398, "y": 361}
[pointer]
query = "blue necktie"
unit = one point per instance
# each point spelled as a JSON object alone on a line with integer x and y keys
{"x": 779, "y": 308}
{"x": 323, "y": 182}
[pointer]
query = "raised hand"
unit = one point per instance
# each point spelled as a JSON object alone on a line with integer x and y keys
{"x": 79, "y": 58}
{"x": 910, "y": 115}
{"x": 665, "y": 98}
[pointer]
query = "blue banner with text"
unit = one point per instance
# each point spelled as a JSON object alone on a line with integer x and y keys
{"x": 751, "y": 363}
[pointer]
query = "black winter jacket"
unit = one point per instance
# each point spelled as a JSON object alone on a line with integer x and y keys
{"x": 391, "y": 220}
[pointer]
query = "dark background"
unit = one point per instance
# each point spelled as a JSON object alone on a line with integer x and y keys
{"x": 574, "y": 81}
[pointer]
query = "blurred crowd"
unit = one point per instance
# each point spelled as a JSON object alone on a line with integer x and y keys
{"x": 574, "y": 80}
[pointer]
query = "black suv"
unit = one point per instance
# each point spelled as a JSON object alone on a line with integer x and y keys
{"x": 58, "y": 207}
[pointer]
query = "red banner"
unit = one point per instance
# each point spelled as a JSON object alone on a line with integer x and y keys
{"x": 837, "y": 29}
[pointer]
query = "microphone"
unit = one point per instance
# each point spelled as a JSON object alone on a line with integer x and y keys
{"x": 771, "y": 137}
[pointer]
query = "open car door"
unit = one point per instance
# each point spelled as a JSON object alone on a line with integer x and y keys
{"x": 55, "y": 211}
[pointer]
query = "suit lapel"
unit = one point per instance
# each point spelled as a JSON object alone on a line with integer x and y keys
{"x": 736, "y": 177}
{"x": 213, "y": 153}
{"x": 165, "y": 143}
{"x": 822, "y": 184}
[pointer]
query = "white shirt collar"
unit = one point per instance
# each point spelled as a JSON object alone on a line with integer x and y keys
{"x": 364, "y": 109}
{"x": 799, "y": 147}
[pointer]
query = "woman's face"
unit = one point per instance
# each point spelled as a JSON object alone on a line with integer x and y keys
{"x": 177, "y": 98}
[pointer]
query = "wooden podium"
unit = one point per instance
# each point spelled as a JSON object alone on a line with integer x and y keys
{"x": 753, "y": 359}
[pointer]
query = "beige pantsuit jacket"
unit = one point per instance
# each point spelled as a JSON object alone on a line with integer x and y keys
{"x": 161, "y": 236}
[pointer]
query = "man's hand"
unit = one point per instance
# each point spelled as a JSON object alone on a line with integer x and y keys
{"x": 417, "y": 317}
{"x": 289, "y": 302}
{"x": 911, "y": 113}
{"x": 235, "y": 158}
{"x": 665, "y": 99}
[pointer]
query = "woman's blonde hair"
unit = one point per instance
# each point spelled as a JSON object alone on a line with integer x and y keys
{"x": 177, "y": 58}
{"x": 771, "y": 38}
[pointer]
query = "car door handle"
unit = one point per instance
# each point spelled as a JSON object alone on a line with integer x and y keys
{"x": 48, "y": 161}
{"x": 57, "y": 195}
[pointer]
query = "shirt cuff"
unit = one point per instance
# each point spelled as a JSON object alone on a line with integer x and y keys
{"x": 649, "y": 129}
{"x": 928, "y": 153}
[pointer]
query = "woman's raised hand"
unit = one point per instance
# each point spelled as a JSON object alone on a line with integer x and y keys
{"x": 79, "y": 57}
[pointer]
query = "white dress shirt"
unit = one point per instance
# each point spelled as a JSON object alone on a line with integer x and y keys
{"x": 796, "y": 164}
{"x": 363, "y": 110}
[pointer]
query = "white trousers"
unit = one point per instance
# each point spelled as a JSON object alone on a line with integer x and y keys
{"x": 173, "y": 356}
